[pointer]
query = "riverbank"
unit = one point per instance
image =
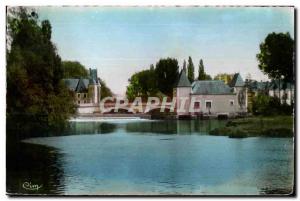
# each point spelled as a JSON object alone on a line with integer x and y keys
{"x": 277, "y": 126}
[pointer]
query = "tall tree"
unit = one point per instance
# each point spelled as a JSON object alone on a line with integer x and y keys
{"x": 184, "y": 65}
{"x": 276, "y": 57}
{"x": 191, "y": 69}
{"x": 35, "y": 91}
{"x": 166, "y": 72}
{"x": 152, "y": 67}
{"x": 201, "y": 73}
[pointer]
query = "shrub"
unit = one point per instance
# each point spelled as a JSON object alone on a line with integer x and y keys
{"x": 267, "y": 106}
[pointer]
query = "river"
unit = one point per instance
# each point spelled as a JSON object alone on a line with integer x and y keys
{"x": 145, "y": 157}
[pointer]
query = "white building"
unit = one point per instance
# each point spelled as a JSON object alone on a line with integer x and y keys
{"x": 283, "y": 90}
{"x": 210, "y": 97}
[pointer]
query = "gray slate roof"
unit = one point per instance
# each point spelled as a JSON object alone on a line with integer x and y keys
{"x": 93, "y": 75}
{"x": 71, "y": 83}
{"x": 258, "y": 86}
{"x": 210, "y": 87}
{"x": 77, "y": 85}
{"x": 82, "y": 84}
{"x": 237, "y": 81}
{"x": 183, "y": 81}
{"x": 274, "y": 84}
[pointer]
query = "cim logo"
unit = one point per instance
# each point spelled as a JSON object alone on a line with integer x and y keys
{"x": 31, "y": 187}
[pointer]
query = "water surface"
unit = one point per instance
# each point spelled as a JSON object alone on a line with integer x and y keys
{"x": 134, "y": 157}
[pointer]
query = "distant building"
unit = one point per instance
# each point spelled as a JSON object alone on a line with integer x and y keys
{"x": 273, "y": 89}
{"x": 87, "y": 91}
{"x": 213, "y": 97}
{"x": 283, "y": 90}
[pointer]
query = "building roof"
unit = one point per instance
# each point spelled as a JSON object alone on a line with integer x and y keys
{"x": 92, "y": 81}
{"x": 210, "y": 87}
{"x": 237, "y": 81}
{"x": 82, "y": 84}
{"x": 274, "y": 84}
{"x": 183, "y": 81}
{"x": 71, "y": 83}
{"x": 77, "y": 85}
{"x": 93, "y": 75}
{"x": 257, "y": 86}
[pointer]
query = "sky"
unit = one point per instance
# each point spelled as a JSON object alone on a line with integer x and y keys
{"x": 119, "y": 41}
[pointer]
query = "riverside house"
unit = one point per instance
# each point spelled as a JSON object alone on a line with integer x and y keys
{"x": 210, "y": 97}
{"x": 87, "y": 92}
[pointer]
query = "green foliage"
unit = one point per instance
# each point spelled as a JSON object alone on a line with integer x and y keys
{"x": 267, "y": 105}
{"x": 73, "y": 69}
{"x": 201, "y": 75}
{"x": 274, "y": 126}
{"x": 201, "y": 72}
{"x": 105, "y": 91}
{"x": 191, "y": 69}
{"x": 34, "y": 73}
{"x": 207, "y": 77}
{"x": 157, "y": 81}
{"x": 166, "y": 72}
{"x": 142, "y": 84}
{"x": 184, "y": 65}
{"x": 224, "y": 77}
{"x": 276, "y": 57}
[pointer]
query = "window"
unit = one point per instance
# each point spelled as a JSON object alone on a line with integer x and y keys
{"x": 208, "y": 104}
{"x": 196, "y": 105}
{"x": 231, "y": 102}
{"x": 78, "y": 102}
{"x": 84, "y": 101}
{"x": 84, "y": 96}
{"x": 78, "y": 95}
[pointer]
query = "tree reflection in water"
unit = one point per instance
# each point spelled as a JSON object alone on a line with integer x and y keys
{"x": 174, "y": 126}
{"x": 37, "y": 165}
{"x": 81, "y": 128}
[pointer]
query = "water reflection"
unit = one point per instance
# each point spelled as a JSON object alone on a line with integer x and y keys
{"x": 82, "y": 128}
{"x": 174, "y": 127}
{"x": 137, "y": 157}
{"x": 36, "y": 165}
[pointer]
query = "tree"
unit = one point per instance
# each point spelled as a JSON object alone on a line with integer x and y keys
{"x": 105, "y": 90}
{"x": 208, "y": 77}
{"x": 276, "y": 57}
{"x": 73, "y": 69}
{"x": 167, "y": 72}
{"x": 142, "y": 84}
{"x": 224, "y": 77}
{"x": 184, "y": 65}
{"x": 266, "y": 105}
{"x": 191, "y": 70}
{"x": 201, "y": 73}
{"x": 133, "y": 89}
{"x": 36, "y": 95}
{"x": 152, "y": 67}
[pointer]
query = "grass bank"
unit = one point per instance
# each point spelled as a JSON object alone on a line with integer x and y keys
{"x": 276, "y": 126}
